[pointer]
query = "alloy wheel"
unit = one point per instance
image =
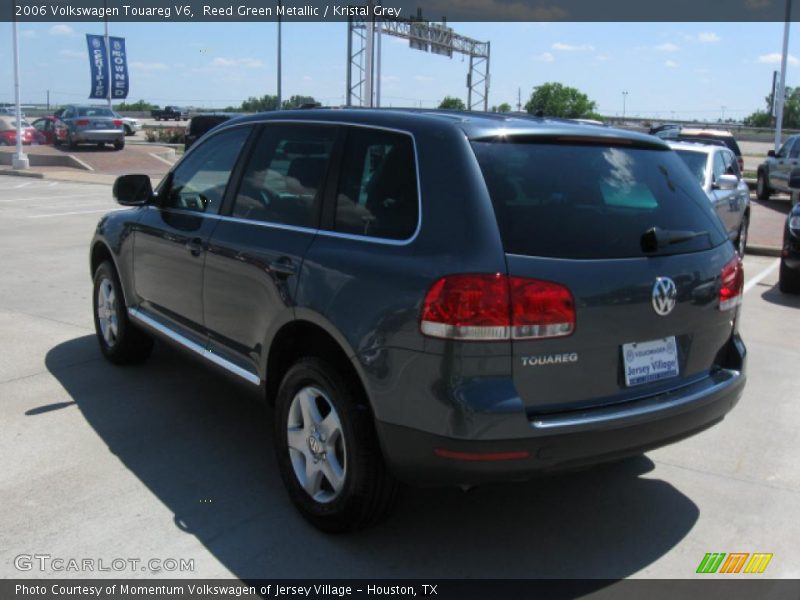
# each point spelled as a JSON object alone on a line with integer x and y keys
{"x": 107, "y": 312}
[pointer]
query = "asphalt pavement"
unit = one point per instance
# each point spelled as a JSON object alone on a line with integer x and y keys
{"x": 168, "y": 460}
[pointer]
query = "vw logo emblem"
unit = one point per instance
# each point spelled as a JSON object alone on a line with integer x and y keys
{"x": 664, "y": 296}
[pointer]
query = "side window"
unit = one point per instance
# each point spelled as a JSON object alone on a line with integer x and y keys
{"x": 731, "y": 164}
{"x": 377, "y": 192}
{"x": 719, "y": 166}
{"x": 795, "y": 151}
{"x": 784, "y": 151}
{"x": 284, "y": 178}
{"x": 199, "y": 182}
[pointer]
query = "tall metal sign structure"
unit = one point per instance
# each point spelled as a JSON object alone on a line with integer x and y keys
{"x": 436, "y": 38}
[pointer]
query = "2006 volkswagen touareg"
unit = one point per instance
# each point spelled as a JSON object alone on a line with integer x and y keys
{"x": 432, "y": 297}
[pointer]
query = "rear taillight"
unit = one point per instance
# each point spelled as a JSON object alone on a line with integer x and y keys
{"x": 730, "y": 292}
{"x": 741, "y": 164}
{"x": 486, "y": 307}
{"x": 82, "y": 122}
{"x": 117, "y": 122}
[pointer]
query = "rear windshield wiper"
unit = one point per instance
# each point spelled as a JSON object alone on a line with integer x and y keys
{"x": 655, "y": 238}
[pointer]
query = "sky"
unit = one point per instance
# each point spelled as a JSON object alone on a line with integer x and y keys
{"x": 670, "y": 70}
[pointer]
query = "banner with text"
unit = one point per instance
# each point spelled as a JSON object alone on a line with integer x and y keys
{"x": 119, "y": 67}
{"x": 98, "y": 64}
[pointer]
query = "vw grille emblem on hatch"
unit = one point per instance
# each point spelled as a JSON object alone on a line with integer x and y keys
{"x": 664, "y": 294}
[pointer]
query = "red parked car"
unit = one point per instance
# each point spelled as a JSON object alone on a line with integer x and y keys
{"x": 8, "y": 132}
{"x": 48, "y": 130}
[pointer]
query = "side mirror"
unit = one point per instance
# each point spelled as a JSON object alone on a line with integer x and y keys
{"x": 771, "y": 153}
{"x": 794, "y": 179}
{"x": 727, "y": 182}
{"x": 133, "y": 190}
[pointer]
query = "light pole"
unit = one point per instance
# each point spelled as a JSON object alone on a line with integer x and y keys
{"x": 723, "y": 112}
{"x": 108, "y": 53}
{"x": 19, "y": 160}
{"x": 279, "y": 56}
{"x": 782, "y": 86}
{"x": 624, "y": 102}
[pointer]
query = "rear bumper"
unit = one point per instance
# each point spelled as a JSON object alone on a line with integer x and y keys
{"x": 99, "y": 135}
{"x": 566, "y": 440}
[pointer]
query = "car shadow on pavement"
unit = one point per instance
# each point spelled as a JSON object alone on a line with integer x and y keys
{"x": 775, "y": 296}
{"x": 780, "y": 205}
{"x": 203, "y": 447}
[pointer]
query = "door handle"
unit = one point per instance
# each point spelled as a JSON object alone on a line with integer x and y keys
{"x": 195, "y": 246}
{"x": 283, "y": 267}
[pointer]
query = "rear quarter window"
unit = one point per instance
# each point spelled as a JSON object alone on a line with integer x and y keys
{"x": 592, "y": 201}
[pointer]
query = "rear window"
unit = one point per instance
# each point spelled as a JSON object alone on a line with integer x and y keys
{"x": 592, "y": 201}
{"x": 696, "y": 161}
{"x": 199, "y": 125}
{"x": 95, "y": 112}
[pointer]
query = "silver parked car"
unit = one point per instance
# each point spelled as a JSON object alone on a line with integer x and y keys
{"x": 91, "y": 125}
{"x": 716, "y": 169}
{"x": 129, "y": 124}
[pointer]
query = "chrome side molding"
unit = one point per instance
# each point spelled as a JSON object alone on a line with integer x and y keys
{"x": 137, "y": 315}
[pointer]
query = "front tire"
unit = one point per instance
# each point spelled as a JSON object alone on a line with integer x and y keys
{"x": 762, "y": 187}
{"x": 741, "y": 240}
{"x": 120, "y": 341}
{"x": 328, "y": 452}
{"x": 788, "y": 280}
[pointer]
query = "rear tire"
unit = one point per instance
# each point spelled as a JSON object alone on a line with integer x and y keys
{"x": 119, "y": 144}
{"x": 121, "y": 342}
{"x": 328, "y": 452}
{"x": 71, "y": 143}
{"x": 762, "y": 187}
{"x": 789, "y": 280}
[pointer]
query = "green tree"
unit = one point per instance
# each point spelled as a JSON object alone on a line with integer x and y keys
{"x": 760, "y": 118}
{"x": 140, "y": 106}
{"x": 266, "y": 102}
{"x": 504, "y": 107}
{"x": 452, "y": 103}
{"x": 557, "y": 100}
{"x": 791, "y": 111}
{"x": 298, "y": 101}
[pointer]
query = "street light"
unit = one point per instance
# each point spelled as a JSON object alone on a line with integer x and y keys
{"x": 624, "y": 99}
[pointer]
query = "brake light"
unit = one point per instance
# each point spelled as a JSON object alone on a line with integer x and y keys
{"x": 730, "y": 292}
{"x": 741, "y": 164}
{"x": 117, "y": 122}
{"x": 82, "y": 122}
{"x": 492, "y": 307}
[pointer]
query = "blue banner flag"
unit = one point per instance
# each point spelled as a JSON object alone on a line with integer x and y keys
{"x": 98, "y": 64}
{"x": 119, "y": 67}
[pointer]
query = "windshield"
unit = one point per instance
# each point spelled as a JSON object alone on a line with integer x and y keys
{"x": 592, "y": 201}
{"x": 95, "y": 112}
{"x": 696, "y": 161}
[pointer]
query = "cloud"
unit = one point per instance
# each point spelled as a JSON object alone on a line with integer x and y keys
{"x": 67, "y": 53}
{"x": 61, "y": 30}
{"x": 670, "y": 64}
{"x": 146, "y": 67}
{"x": 775, "y": 58}
{"x": 545, "y": 57}
{"x": 667, "y": 47}
{"x": 573, "y": 48}
{"x": 708, "y": 37}
{"x": 249, "y": 63}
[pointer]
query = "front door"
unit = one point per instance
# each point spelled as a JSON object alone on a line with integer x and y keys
{"x": 171, "y": 238}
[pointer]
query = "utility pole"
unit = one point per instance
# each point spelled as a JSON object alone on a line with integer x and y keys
{"x": 723, "y": 112}
{"x": 369, "y": 72}
{"x": 519, "y": 99}
{"x": 48, "y": 100}
{"x": 19, "y": 160}
{"x": 624, "y": 102}
{"x": 782, "y": 86}
{"x": 378, "y": 67}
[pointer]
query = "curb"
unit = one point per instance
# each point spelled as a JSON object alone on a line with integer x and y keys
{"x": 758, "y": 250}
{"x": 15, "y": 173}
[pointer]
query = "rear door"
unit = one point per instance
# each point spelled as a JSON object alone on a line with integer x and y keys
{"x": 256, "y": 253}
{"x": 785, "y": 160}
{"x": 724, "y": 201}
{"x": 573, "y": 214}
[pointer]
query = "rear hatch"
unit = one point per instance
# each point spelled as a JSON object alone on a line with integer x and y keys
{"x": 615, "y": 224}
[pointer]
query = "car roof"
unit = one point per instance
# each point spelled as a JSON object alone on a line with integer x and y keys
{"x": 475, "y": 125}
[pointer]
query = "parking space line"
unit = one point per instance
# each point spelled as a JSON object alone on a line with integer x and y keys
{"x": 76, "y": 212}
{"x": 54, "y": 197}
{"x": 754, "y": 281}
{"x": 22, "y": 185}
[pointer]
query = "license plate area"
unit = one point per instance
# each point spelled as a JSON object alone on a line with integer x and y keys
{"x": 654, "y": 360}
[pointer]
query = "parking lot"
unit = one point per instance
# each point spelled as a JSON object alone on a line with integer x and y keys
{"x": 169, "y": 460}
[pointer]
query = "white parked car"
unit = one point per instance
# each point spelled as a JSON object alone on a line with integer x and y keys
{"x": 716, "y": 169}
{"x": 130, "y": 124}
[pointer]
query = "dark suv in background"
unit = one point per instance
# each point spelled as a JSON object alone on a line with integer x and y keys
{"x": 432, "y": 297}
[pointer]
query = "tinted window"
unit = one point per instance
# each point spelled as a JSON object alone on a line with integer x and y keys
{"x": 696, "y": 161}
{"x": 576, "y": 201}
{"x": 719, "y": 167}
{"x": 731, "y": 164}
{"x": 199, "y": 125}
{"x": 377, "y": 192}
{"x": 199, "y": 182}
{"x": 283, "y": 180}
{"x": 90, "y": 111}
